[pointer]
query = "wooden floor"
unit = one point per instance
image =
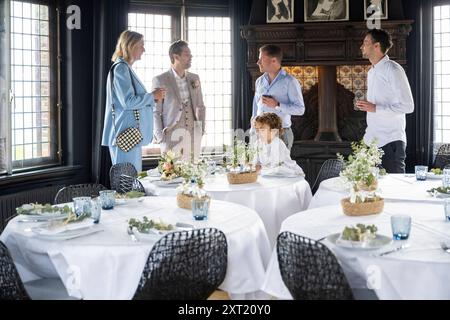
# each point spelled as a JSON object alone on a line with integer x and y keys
{"x": 219, "y": 295}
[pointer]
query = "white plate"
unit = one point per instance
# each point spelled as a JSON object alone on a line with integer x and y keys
{"x": 334, "y": 184}
{"x": 279, "y": 175}
{"x": 431, "y": 175}
{"x": 440, "y": 195}
{"x": 377, "y": 243}
{"x": 129, "y": 200}
{"x": 69, "y": 234}
{"x": 152, "y": 235}
{"x": 169, "y": 183}
{"x": 44, "y": 216}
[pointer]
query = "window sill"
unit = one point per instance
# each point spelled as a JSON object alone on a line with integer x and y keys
{"x": 39, "y": 176}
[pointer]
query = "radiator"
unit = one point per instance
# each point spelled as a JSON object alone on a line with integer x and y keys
{"x": 9, "y": 203}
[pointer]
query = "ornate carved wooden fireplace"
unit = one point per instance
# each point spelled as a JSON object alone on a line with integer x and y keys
{"x": 329, "y": 55}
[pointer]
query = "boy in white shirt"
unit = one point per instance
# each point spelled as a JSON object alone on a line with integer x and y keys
{"x": 273, "y": 157}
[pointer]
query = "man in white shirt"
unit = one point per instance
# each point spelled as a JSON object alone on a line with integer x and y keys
{"x": 389, "y": 98}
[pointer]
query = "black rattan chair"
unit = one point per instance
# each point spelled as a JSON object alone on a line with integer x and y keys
{"x": 11, "y": 286}
{"x": 185, "y": 265}
{"x": 310, "y": 270}
{"x": 442, "y": 157}
{"x": 66, "y": 194}
{"x": 119, "y": 169}
{"x": 330, "y": 169}
{"x": 128, "y": 183}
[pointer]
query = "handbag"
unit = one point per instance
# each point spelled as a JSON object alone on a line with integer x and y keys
{"x": 132, "y": 136}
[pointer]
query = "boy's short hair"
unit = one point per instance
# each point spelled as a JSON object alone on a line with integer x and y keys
{"x": 272, "y": 120}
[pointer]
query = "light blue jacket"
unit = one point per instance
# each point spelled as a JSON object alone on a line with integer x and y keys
{"x": 125, "y": 100}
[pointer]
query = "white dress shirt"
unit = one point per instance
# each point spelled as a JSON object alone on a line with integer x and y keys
{"x": 389, "y": 90}
{"x": 182, "y": 87}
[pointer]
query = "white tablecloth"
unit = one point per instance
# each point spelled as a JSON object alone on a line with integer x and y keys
{"x": 420, "y": 271}
{"x": 273, "y": 198}
{"x": 394, "y": 187}
{"x": 108, "y": 265}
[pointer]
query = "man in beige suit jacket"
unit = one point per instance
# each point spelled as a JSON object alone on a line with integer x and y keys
{"x": 179, "y": 119}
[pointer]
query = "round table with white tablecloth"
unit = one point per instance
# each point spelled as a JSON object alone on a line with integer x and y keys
{"x": 273, "y": 198}
{"x": 393, "y": 187}
{"x": 108, "y": 264}
{"x": 419, "y": 271}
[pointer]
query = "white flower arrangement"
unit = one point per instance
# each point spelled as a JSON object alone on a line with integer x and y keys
{"x": 194, "y": 176}
{"x": 361, "y": 171}
{"x": 241, "y": 155}
{"x": 192, "y": 190}
{"x": 193, "y": 172}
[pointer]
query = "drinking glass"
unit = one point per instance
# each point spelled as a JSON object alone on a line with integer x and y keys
{"x": 421, "y": 173}
{"x": 401, "y": 226}
{"x": 82, "y": 205}
{"x": 446, "y": 177}
{"x": 212, "y": 167}
{"x": 447, "y": 209}
{"x": 108, "y": 199}
{"x": 359, "y": 96}
{"x": 96, "y": 209}
{"x": 200, "y": 207}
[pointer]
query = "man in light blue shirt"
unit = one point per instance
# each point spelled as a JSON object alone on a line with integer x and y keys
{"x": 277, "y": 91}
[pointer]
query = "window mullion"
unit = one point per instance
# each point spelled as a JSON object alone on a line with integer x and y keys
{"x": 183, "y": 22}
{"x": 441, "y": 75}
{"x": 5, "y": 89}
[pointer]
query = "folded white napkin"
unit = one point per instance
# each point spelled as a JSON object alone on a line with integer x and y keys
{"x": 55, "y": 228}
{"x": 153, "y": 172}
{"x": 150, "y": 189}
{"x": 281, "y": 172}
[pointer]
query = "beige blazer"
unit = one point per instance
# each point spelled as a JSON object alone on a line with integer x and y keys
{"x": 167, "y": 112}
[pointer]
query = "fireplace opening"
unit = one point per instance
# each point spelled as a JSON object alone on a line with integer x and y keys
{"x": 328, "y": 92}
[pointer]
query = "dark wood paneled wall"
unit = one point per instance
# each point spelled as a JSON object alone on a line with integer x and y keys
{"x": 325, "y": 45}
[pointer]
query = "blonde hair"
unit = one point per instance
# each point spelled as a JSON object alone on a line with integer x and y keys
{"x": 126, "y": 44}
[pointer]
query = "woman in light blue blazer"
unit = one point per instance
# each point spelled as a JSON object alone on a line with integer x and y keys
{"x": 126, "y": 93}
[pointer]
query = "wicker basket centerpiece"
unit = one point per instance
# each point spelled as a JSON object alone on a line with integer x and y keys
{"x": 361, "y": 172}
{"x": 184, "y": 201}
{"x": 368, "y": 207}
{"x": 241, "y": 157}
{"x": 242, "y": 177}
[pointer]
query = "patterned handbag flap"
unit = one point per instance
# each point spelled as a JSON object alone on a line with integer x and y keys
{"x": 129, "y": 138}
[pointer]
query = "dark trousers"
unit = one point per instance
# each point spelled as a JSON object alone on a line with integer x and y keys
{"x": 394, "y": 157}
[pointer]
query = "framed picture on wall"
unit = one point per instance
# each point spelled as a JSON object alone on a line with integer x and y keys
{"x": 376, "y": 9}
{"x": 280, "y": 11}
{"x": 326, "y": 10}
